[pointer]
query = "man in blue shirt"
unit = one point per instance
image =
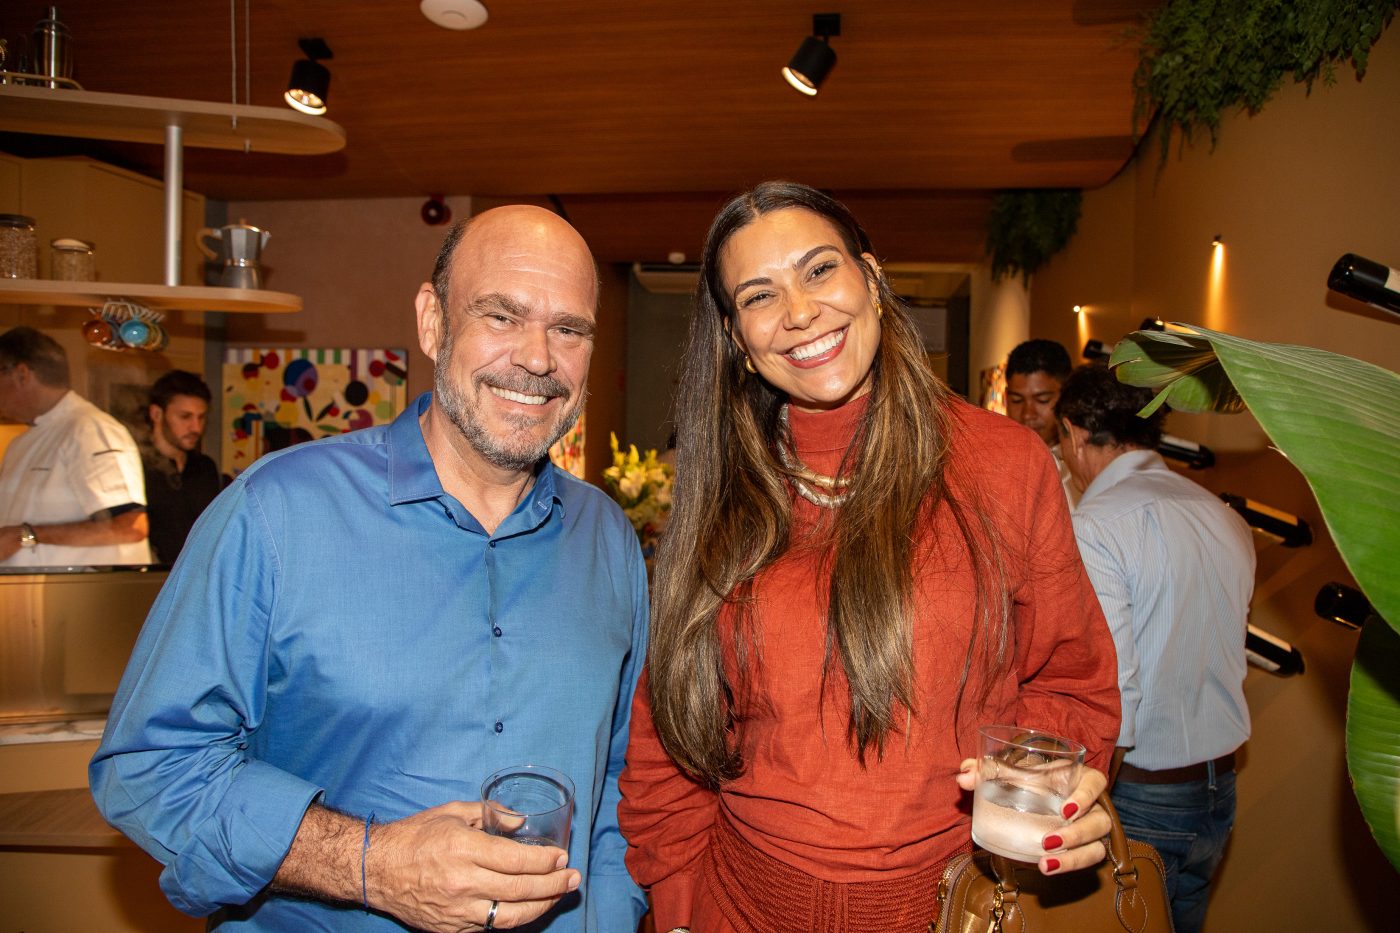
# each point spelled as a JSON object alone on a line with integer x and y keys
{"x": 361, "y": 629}
{"x": 1173, "y": 568}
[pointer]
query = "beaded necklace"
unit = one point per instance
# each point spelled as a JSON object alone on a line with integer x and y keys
{"x": 831, "y": 498}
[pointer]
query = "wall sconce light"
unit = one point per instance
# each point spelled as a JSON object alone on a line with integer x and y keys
{"x": 1078, "y": 309}
{"x": 311, "y": 81}
{"x": 1216, "y": 241}
{"x": 814, "y": 58}
{"x": 1096, "y": 352}
{"x": 1152, "y": 323}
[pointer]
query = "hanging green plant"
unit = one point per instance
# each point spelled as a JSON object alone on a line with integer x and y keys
{"x": 1027, "y": 227}
{"x": 1200, "y": 58}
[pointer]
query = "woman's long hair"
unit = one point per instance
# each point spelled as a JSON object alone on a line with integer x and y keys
{"x": 731, "y": 517}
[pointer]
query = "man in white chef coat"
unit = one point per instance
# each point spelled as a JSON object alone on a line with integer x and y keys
{"x": 71, "y": 487}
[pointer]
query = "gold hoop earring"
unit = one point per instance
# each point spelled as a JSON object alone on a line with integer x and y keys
{"x": 748, "y": 364}
{"x": 879, "y": 309}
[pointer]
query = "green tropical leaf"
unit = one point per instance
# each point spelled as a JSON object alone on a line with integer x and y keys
{"x": 1373, "y": 734}
{"x": 1336, "y": 419}
{"x": 1184, "y": 368}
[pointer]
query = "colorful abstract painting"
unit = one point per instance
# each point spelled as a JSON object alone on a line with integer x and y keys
{"x": 276, "y": 398}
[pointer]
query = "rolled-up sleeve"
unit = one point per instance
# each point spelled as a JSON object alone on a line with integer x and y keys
{"x": 173, "y": 771}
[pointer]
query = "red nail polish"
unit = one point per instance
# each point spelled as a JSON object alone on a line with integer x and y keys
{"x": 1052, "y": 864}
{"x": 1052, "y": 843}
{"x": 1071, "y": 809}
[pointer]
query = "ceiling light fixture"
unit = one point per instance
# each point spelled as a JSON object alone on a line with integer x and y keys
{"x": 454, "y": 14}
{"x": 814, "y": 58}
{"x": 311, "y": 81}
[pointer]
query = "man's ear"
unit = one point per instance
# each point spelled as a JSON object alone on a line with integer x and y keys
{"x": 430, "y": 319}
{"x": 155, "y": 413}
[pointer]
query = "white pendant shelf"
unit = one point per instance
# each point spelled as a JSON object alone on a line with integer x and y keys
{"x": 174, "y": 123}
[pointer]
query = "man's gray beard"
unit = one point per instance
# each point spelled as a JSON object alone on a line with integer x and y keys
{"x": 500, "y": 452}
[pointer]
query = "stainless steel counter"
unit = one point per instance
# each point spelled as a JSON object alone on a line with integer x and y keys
{"x": 65, "y": 636}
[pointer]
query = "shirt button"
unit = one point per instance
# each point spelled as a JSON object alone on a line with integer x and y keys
{"x": 496, "y": 630}
{"x": 492, "y": 544}
{"x": 500, "y": 727}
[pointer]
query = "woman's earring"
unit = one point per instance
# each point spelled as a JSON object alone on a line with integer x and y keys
{"x": 748, "y": 364}
{"x": 879, "y": 309}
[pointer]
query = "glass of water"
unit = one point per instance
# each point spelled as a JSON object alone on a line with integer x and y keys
{"x": 530, "y": 804}
{"x": 1024, "y": 777}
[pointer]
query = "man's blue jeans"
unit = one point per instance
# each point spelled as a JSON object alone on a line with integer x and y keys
{"x": 1188, "y": 824}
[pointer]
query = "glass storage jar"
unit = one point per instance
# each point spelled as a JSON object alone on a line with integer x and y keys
{"x": 71, "y": 261}
{"x": 19, "y": 251}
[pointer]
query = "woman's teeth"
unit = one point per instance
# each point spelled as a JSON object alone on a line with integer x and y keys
{"x": 818, "y": 347}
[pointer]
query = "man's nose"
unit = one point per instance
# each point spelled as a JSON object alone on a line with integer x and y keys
{"x": 532, "y": 352}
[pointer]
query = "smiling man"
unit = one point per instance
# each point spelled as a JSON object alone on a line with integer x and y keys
{"x": 372, "y": 624}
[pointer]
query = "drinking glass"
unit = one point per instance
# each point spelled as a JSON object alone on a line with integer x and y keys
{"x": 530, "y": 804}
{"x": 1024, "y": 777}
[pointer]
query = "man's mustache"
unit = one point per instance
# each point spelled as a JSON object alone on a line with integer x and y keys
{"x": 525, "y": 383}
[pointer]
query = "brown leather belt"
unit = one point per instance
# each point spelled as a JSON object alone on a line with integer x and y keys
{"x": 1196, "y": 772}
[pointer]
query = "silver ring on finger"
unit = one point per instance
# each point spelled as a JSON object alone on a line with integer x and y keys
{"x": 491, "y": 916}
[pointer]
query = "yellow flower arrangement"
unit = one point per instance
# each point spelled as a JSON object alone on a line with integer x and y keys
{"x": 641, "y": 484}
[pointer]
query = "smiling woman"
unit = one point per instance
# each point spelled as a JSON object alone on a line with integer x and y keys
{"x": 845, "y": 592}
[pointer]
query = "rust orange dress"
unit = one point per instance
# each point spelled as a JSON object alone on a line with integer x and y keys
{"x": 809, "y": 839}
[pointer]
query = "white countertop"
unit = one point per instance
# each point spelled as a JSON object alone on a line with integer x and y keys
{"x": 76, "y": 730}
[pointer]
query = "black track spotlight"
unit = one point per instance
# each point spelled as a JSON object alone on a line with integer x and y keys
{"x": 311, "y": 81}
{"x": 814, "y": 58}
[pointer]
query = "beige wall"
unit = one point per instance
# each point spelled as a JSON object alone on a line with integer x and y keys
{"x": 357, "y": 264}
{"x": 1289, "y": 190}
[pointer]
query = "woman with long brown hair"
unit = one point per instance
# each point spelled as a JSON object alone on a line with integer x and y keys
{"x": 859, "y": 571}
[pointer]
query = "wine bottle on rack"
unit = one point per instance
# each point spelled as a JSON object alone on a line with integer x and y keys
{"x": 1096, "y": 351}
{"x": 1366, "y": 280}
{"x": 1188, "y": 452}
{"x": 1272, "y": 654}
{"x": 1345, "y": 605}
{"x": 1288, "y": 530}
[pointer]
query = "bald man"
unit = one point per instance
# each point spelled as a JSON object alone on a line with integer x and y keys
{"x": 365, "y": 627}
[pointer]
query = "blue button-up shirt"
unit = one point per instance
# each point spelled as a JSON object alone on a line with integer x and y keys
{"x": 340, "y": 628}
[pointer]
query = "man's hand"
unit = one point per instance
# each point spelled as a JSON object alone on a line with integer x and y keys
{"x": 435, "y": 870}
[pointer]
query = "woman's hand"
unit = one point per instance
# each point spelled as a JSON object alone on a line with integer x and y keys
{"x": 1078, "y": 845}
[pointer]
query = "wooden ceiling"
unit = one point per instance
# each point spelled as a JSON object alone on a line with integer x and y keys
{"x": 647, "y": 112}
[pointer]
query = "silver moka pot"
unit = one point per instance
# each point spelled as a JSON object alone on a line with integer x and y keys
{"x": 239, "y": 250}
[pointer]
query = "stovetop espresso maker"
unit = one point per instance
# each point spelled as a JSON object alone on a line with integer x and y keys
{"x": 239, "y": 249}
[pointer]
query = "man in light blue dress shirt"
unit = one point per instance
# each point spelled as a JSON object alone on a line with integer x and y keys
{"x": 1173, "y": 567}
{"x": 361, "y": 629}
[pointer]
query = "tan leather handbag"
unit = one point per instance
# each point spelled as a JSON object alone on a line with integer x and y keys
{"x": 1126, "y": 893}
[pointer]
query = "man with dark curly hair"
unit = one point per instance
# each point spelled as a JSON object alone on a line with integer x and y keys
{"x": 1174, "y": 571}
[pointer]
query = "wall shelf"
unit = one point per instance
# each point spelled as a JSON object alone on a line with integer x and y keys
{"x": 135, "y": 119}
{"x": 155, "y": 297}
{"x": 174, "y": 124}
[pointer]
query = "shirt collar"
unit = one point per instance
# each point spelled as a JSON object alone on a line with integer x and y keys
{"x": 412, "y": 476}
{"x": 60, "y": 408}
{"x": 1120, "y": 468}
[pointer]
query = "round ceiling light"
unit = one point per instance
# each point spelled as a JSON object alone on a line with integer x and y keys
{"x": 454, "y": 14}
